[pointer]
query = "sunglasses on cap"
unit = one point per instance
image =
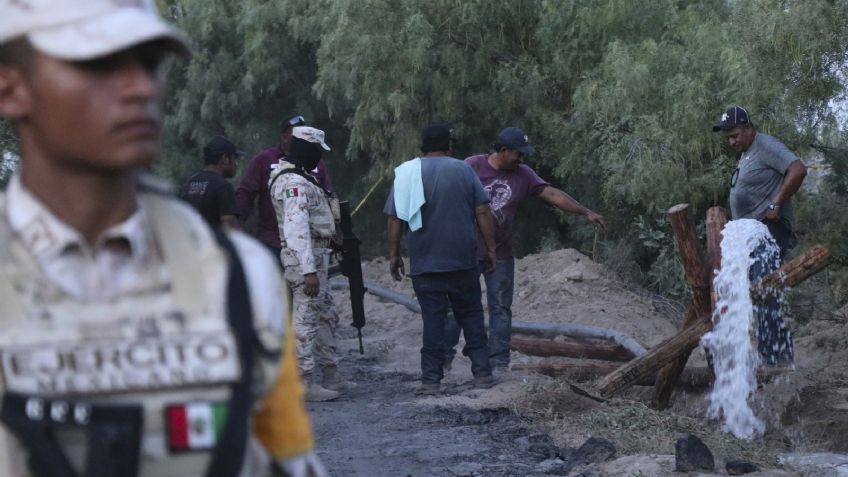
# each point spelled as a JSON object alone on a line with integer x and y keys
{"x": 297, "y": 121}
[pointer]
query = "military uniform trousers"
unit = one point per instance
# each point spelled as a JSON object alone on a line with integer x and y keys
{"x": 315, "y": 318}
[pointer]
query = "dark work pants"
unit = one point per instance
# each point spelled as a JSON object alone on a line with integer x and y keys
{"x": 276, "y": 252}
{"x": 499, "y": 291}
{"x": 774, "y": 340}
{"x": 460, "y": 291}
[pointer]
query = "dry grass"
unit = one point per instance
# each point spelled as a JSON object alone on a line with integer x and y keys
{"x": 634, "y": 427}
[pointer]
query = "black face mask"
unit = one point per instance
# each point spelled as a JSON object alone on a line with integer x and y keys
{"x": 305, "y": 154}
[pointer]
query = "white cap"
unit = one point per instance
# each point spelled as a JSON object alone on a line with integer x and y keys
{"x": 310, "y": 134}
{"x": 78, "y": 30}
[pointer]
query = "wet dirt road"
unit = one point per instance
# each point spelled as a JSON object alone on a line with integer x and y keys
{"x": 382, "y": 429}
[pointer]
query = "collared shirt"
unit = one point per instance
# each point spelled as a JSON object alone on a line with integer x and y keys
{"x": 126, "y": 258}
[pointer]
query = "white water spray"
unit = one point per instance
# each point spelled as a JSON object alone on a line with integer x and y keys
{"x": 735, "y": 359}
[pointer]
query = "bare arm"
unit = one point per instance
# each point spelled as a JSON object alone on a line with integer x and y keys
{"x": 795, "y": 175}
{"x": 566, "y": 203}
{"x": 394, "y": 228}
{"x": 483, "y": 214}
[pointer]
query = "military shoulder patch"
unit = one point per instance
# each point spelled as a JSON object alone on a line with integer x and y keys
{"x": 292, "y": 192}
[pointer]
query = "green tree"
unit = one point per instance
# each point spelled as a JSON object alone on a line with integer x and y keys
{"x": 618, "y": 96}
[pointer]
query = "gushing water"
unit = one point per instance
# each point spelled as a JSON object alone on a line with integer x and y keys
{"x": 735, "y": 359}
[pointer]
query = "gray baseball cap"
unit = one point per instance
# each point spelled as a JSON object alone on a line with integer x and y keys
{"x": 79, "y": 30}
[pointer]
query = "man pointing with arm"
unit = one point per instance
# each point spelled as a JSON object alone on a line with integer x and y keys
{"x": 508, "y": 182}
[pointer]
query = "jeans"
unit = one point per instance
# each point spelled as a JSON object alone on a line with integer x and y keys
{"x": 774, "y": 340}
{"x": 459, "y": 290}
{"x": 499, "y": 288}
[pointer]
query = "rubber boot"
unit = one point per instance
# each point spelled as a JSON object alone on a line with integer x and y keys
{"x": 333, "y": 381}
{"x": 317, "y": 393}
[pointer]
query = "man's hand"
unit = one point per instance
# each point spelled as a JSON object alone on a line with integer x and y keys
{"x": 490, "y": 262}
{"x": 396, "y": 267}
{"x": 773, "y": 215}
{"x": 596, "y": 219}
{"x": 311, "y": 286}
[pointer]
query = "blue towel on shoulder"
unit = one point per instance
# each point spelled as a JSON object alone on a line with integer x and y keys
{"x": 409, "y": 193}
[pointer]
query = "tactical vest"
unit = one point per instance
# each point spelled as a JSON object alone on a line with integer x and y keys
{"x": 323, "y": 209}
{"x": 156, "y": 383}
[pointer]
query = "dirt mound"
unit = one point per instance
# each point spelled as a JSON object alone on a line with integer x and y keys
{"x": 806, "y": 409}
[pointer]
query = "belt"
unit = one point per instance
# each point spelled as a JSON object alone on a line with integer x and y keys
{"x": 320, "y": 242}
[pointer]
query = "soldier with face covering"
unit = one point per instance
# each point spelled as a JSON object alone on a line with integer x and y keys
{"x": 307, "y": 217}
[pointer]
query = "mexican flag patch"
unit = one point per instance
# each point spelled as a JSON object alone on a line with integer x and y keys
{"x": 194, "y": 426}
{"x": 293, "y": 192}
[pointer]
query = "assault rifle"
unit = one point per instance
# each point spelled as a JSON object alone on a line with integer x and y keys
{"x": 351, "y": 267}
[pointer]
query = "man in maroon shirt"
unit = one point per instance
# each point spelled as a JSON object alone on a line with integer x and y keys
{"x": 508, "y": 182}
{"x": 253, "y": 187}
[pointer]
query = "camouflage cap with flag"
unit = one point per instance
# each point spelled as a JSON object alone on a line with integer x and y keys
{"x": 78, "y": 30}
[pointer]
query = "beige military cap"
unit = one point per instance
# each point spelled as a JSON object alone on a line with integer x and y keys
{"x": 78, "y": 30}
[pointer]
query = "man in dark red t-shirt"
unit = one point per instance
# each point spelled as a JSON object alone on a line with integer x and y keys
{"x": 253, "y": 187}
{"x": 508, "y": 182}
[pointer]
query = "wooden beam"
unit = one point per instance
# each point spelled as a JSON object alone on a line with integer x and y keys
{"x": 790, "y": 274}
{"x": 799, "y": 269}
{"x": 698, "y": 277}
{"x": 691, "y": 377}
{"x": 572, "y": 349}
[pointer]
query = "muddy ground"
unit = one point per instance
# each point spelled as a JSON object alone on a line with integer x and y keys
{"x": 532, "y": 425}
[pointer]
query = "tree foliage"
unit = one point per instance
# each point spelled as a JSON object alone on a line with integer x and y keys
{"x": 618, "y": 96}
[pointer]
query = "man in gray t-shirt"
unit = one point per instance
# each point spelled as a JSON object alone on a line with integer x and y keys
{"x": 767, "y": 177}
{"x": 761, "y": 188}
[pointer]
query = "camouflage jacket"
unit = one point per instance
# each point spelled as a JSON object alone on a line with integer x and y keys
{"x": 303, "y": 215}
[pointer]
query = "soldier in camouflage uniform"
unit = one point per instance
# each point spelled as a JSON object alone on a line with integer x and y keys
{"x": 307, "y": 226}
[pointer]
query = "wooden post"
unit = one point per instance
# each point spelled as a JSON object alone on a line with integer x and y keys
{"x": 716, "y": 220}
{"x": 697, "y": 276}
{"x": 573, "y": 349}
{"x": 790, "y": 274}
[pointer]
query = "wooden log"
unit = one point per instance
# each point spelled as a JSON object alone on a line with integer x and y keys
{"x": 572, "y": 349}
{"x": 716, "y": 220}
{"x": 792, "y": 273}
{"x": 697, "y": 276}
{"x": 691, "y": 378}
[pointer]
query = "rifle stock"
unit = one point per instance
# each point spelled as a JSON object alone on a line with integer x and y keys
{"x": 351, "y": 268}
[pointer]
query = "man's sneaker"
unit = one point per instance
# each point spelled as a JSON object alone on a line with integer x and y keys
{"x": 486, "y": 382}
{"x": 428, "y": 389}
{"x": 318, "y": 393}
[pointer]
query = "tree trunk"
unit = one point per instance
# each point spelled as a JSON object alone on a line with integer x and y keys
{"x": 572, "y": 349}
{"x": 793, "y": 273}
{"x": 697, "y": 276}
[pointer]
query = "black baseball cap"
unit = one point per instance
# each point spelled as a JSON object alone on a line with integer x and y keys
{"x": 220, "y": 145}
{"x": 514, "y": 138}
{"x": 292, "y": 121}
{"x": 732, "y": 117}
{"x": 436, "y": 137}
